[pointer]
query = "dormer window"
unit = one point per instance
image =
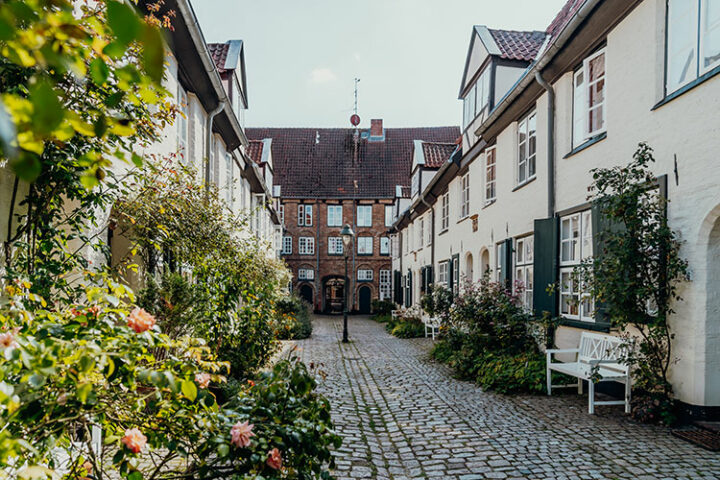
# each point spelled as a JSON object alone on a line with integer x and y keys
{"x": 477, "y": 98}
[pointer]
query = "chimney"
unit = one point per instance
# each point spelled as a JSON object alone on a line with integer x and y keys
{"x": 376, "y": 127}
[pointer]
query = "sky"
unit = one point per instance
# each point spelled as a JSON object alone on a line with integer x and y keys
{"x": 302, "y": 56}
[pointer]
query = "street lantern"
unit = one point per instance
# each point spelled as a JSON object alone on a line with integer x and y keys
{"x": 347, "y": 235}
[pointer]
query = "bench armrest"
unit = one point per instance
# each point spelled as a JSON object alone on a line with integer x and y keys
{"x": 562, "y": 350}
{"x": 600, "y": 362}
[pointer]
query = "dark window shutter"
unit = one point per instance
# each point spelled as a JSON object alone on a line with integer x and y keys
{"x": 506, "y": 263}
{"x": 408, "y": 303}
{"x": 545, "y": 266}
{"x": 398, "y": 287}
{"x": 430, "y": 275}
{"x": 602, "y": 226}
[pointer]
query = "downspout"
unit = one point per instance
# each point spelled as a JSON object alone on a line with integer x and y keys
{"x": 551, "y": 141}
{"x": 432, "y": 233}
{"x": 208, "y": 142}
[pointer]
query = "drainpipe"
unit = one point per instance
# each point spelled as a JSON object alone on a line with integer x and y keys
{"x": 551, "y": 142}
{"x": 208, "y": 142}
{"x": 432, "y": 233}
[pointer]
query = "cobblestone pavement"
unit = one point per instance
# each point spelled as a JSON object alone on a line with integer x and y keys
{"x": 403, "y": 416}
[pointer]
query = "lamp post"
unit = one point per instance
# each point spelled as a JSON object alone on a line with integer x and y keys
{"x": 347, "y": 235}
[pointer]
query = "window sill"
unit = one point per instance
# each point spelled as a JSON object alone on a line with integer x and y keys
{"x": 672, "y": 96}
{"x": 489, "y": 203}
{"x": 384, "y": 254}
{"x": 444, "y": 231}
{"x": 587, "y": 144}
{"x": 335, "y": 254}
{"x": 594, "y": 326}
{"x": 526, "y": 182}
{"x": 463, "y": 219}
{"x": 364, "y": 254}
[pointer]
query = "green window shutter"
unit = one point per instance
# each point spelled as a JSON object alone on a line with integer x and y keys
{"x": 430, "y": 275}
{"x": 502, "y": 253}
{"x": 602, "y": 227}
{"x": 408, "y": 293}
{"x": 506, "y": 263}
{"x": 398, "y": 287}
{"x": 545, "y": 266}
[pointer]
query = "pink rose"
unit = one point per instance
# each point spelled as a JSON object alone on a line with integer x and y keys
{"x": 274, "y": 459}
{"x": 241, "y": 433}
{"x": 140, "y": 320}
{"x": 203, "y": 379}
{"x": 7, "y": 340}
{"x": 134, "y": 440}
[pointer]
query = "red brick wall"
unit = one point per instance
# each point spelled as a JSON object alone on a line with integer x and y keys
{"x": 329, "y": 266}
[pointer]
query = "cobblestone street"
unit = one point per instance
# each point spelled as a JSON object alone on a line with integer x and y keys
{"x": 403, "y": 416}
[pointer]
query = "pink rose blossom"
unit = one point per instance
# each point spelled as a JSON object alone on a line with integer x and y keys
{"x": 274, "y": 459}
{"x": 140, "y": 320}
{"x": 134, "y": 440}
{"x": 241, "y": 433}
{"x": 203, "y": 379}
{"x": 7, "y": 340}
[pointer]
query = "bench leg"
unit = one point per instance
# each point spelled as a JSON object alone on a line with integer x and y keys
{"x": 432, "y": 329}
{"x": 549, "y": 380}
{"x": 591, "y": 397}
{"x": 426, "y": 335}
{"x": 628, "y": 391}
{"x": 580, "y": 386}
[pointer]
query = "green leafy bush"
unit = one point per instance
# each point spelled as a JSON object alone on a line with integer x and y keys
{"x": 406, "y": 326}
{"x": 382, "y": 307}
{"x": 293, "y": 318}
{"x": 486, "y": 337}
{"x": 382, "y": 318}
{"x": 174, "y": 302}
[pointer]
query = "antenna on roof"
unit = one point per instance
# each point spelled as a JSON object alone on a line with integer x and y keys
{"x": 355, "y": 118}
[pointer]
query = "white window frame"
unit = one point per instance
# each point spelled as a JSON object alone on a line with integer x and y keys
{"x": 421, "y": 233}
{"x": 287, "y": 244}
{"x": 183, "y": 122}
{"x": 365, "y": 275}
{"x": 465, "y": 196}
{"x": 445, "y": 212}
{"x": 281, "y": 213}
{"x": 306, "y": 274}
{"x": 334, "y": 215}
{"x": 389, "y": 215}
{"x": 305, "y": 215}
{"x": 523, "y": 259}
{"x": 384, "y": 245}
{"x": 581, "y": 100}
{"x": 229, "y": 180}
{"x": 442, "y": 277}
{"x": 490, "y": 175}
{"x": 575, "y": 302}
{"x": 385, "y": 290}
{"x": 365, "y": 245}
{"x": 526, "y": 161}
{"x": 306, "y": 245}
{"x": 335, "y": 246}
{"x": 364, "y": 215}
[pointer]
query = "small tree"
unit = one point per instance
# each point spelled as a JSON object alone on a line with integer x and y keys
{"x": 636, "y": 273}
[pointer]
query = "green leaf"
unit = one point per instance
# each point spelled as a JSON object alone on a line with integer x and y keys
{"x": 27, "y": 167}
{"x": 223, "y": 450}
{"x": 36, "y": 381}
{"x": 47, "y": 110}
{"x": 189, "y": 390}
{"x": 83, "y": 392}
{"x": 135, "y": 476}
{"x": 153, "y": 53}
{"x": 123, "y": 21}
{"x": 137, "y": 160}
{"x": 99, "y": 71}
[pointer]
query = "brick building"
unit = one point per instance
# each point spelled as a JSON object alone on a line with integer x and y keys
{"x": 324, "y": 178}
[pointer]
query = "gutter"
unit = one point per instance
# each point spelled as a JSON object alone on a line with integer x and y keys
{"x": 539, "y": 65}
{"x": 551, "y": 142}
{"x": 197, "y": 37}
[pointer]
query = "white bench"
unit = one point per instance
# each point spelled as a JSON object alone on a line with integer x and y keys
{"x": 431, "y": 325}
{"x": 598, "y": 358}
{"x": 395, "y": 314}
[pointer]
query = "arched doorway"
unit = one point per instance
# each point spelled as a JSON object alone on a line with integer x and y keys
{"x": 712, "y": 312}
{"x": 364, "y": 299}
{"x": 333, "y": 291}
{"x": 484, "y": 262}
{"x": 306, "y": 293}
{"x": 469, "y": 271}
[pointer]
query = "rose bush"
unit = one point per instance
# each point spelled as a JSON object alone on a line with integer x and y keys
{"x": 66, "y": 373}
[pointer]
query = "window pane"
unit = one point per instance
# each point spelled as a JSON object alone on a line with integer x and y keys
{"x": 711, "y": 33}
{"x": 682, "y": 43}
{"x": 579, "y": 106}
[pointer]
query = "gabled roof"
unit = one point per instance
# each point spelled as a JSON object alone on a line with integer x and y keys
{"x": 219, "y": 52}
{"x": 255, "y": 151}
{"x": 563, "y": 17}
{"x": 436, "y": 153}
{"x": 515, "y": 45}
{"x": 320, "y": 162}
{"x": 230, "y": 57}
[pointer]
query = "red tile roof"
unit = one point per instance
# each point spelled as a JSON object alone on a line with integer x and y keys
{"x": 319, "y": 162}
{"x": 516, "y": 45}
{"x": 219, "y": 52}
{"x": 436, "y": 154}
{"x": 563, "y": 17}
{"x": 255, "y": 150}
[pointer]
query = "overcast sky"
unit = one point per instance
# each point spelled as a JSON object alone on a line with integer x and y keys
{"x": 302, "y": 55}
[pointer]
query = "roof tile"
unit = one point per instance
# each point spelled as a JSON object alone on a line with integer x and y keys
{"x": 436, "y": 154}
{"x": 516, "y": 45}
{"x": 219, "y": 52}
{"x": 319, "y": 162}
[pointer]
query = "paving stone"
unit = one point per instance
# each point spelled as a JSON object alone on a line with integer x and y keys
{"x": 403, "y": 416}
